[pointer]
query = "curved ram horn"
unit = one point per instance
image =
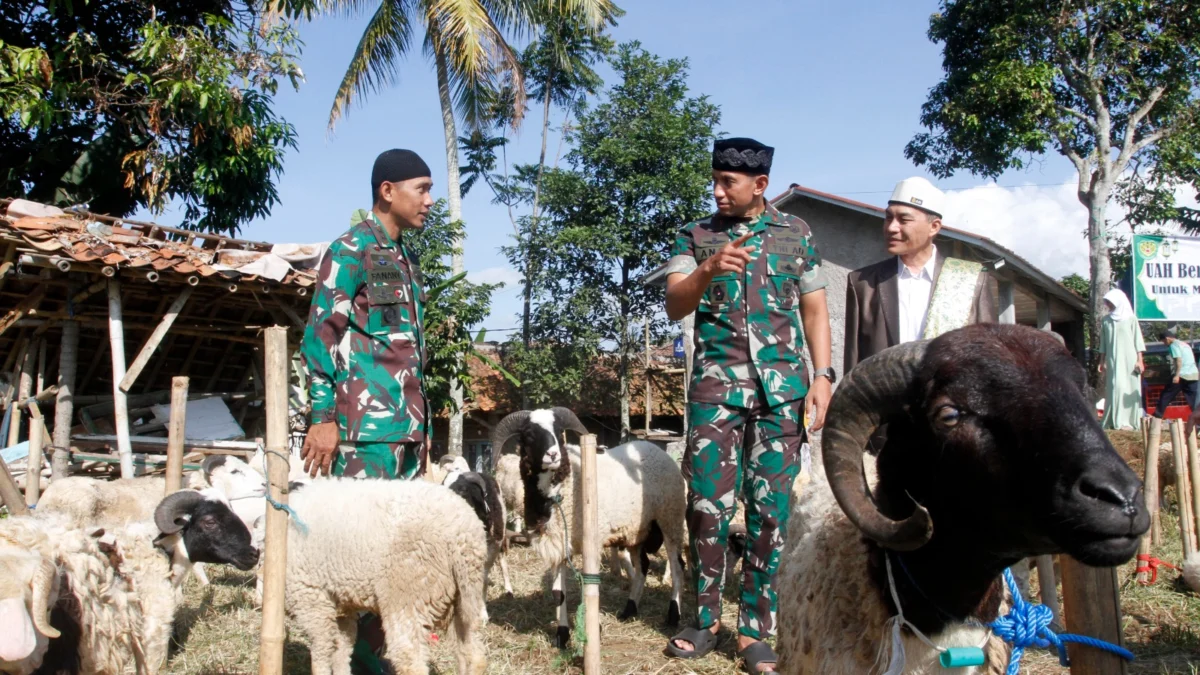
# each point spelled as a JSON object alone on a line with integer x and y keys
{"x": 872, "y": 392}
{"x": 507, "y": 428}
{"x": 564, "y": 418}
{"x": 169, "y": 514}
{"x": 211, "y": 463}
{"x": 43, "y": 586}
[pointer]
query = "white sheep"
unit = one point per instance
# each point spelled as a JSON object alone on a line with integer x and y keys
{"x": 102, "y": 597}
{"x": 409, "y": 551}
{"x": 508, "y": 476}
{"x": 437, "y": 473}
{"x": 993, "y": 455}
{"x": 642, "y": 497}
{"x": 1191, "y": 572}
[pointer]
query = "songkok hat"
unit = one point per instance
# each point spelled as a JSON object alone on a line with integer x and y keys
{"x": 744, "y": 155}
{"x": 920, "y": 193}
{"x": 397, "y": 166}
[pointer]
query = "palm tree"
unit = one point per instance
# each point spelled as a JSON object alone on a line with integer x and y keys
{"x": 471, "y": 56}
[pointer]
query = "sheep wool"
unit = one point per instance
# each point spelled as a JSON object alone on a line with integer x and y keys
{"x": 833, "y": 620}
{"x": 410, "y": 551}
{"x": 508, "y": 475}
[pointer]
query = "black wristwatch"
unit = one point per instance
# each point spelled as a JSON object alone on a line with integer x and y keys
{"x": 827, "y": 373}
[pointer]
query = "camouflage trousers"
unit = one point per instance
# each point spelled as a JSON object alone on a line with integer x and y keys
{"x": 757, "y": 452}
{"x": 380, "y": 460}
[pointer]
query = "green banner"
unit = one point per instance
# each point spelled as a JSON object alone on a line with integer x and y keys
{"x": 1166, "y": 278}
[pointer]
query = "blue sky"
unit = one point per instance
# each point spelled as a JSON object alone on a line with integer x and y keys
{"x": 836, "y": 87}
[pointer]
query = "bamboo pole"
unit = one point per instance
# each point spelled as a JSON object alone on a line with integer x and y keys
{"x": 155, "y": 339}
{"x": 591, "y": 555}
{"x": 24, "y": 391}
{"x": 1092, "y": 607}
{"x": 41, "y": 368}
{"x": 176, "y": 434}
{"x": 1048, "y": 585}
{"x": 1194, "y": 470}
{"x": 270, "y": 658}
{"x": 116, "y": 338}
{"x": 33, "y": 465}
{"x": 64, "y": 406}
{"x": 1151, "y": 487}
{"x": 1185, "y": 497}
{"x": 10, "y": 494}
{"x": 646, "y": 373}
{"x": 1179, "y": 453}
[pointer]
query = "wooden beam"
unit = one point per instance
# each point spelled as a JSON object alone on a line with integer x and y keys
{"x": 10, "y": 494}
{"x": 116, "y": 338}
{"x": 287, "y": 309}
{"x": 1008, "y": 307}
{"x": 64, "y": 407}
{"x": 33, "y": 465}
{"x": 591, "y": 554}
{"x": 24, "y": 391}
{"x": 155, "y": 340}
{"x": 1092, "y": 606}
{"x": 162, "y": 443}
{"x": 23, "y": 309}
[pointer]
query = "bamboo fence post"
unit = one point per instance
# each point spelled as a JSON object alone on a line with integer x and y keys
{"x": 9, "y": 493}
{"x": 270, "y": 658}
{"x": 1151, "y": 487}
{"x": 591, "y": 555}
{"x": 176, "y": 432}
{"x": 1194, "y": 472}
{"x": 33, "y": 465}
{"x": 155, "y": 339}
{"x": 1048, "y": 584}
{"x": 649, "y": 394}
{"x": 116, "y": 338}
{"x": 1092, "y": 607}
{"x": 24, "y": 390}
{"x": 1179, "y": 453}
{"x": 64, "y": 406}
{"x": 41, "y": 367}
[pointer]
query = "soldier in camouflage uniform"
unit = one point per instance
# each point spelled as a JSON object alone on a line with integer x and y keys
{"x": 752, "y": 275}
{"x": 365, "y": 349}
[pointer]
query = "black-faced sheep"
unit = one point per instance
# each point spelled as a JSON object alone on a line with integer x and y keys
{"x": 100, "y": 599}
{"x": 990, "y": 435}
{"x": 642, "y": 497}
{"x": 409, "y": 551}
{"x": 482, "y": 492}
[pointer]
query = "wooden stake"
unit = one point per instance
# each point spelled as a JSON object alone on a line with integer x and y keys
{"x": 649, "y": 394}
{"x": 10, "y": 494}
{"x": 591, "y": 554}
{"x": 1150, "y": 486}
{"x": 176, "y": 434}
{"x": 270, "y": 657}
{"x": 1179, "y": 454}
{"x": 1048, "y": 585}
{"x": 24, "y": 391}
{"x": 155, "y": 339}
{"x": 116, "y": 339}
{"x": 40, "y": 385}
{"x": 1194, "y": 470}
{"x": 33, "y": 466}
{"x": 1092, "y": 607}
{"x": 64, "y": 407}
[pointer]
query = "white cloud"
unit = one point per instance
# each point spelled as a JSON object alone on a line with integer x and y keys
{"x": 1046, "y": 225}
{"x": 494, "y": 275}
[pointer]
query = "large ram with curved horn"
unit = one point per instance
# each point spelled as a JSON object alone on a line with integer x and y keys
{"x": 993, "y": 455}
{"x": 642, "y": 501}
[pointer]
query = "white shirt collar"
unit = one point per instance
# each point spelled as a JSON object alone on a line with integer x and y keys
{"x": 926, "y": 271}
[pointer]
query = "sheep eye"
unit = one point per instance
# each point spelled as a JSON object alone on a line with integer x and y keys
{"x": 948, "y": 416}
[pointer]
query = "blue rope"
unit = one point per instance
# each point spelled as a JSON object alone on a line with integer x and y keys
{"x": 291, "y": 513}
{"x": 1028, "y": 625}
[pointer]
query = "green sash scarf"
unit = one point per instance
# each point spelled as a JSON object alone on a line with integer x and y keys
{"x": 950, "y": 306}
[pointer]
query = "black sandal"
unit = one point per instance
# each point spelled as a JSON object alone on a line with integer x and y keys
{"x": 758, "y": 654}
{"x": 703, "y": 641}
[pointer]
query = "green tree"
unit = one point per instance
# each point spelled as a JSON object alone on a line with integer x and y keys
{"x": 1113, "y": 85}
{"x": 472, "y": 58}
{"x": 455, "y": 306}
{"x": 639, "y": 170}
{"x": 126, "y": 104}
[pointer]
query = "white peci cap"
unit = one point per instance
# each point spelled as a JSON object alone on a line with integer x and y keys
{"x": 920, "y": 193}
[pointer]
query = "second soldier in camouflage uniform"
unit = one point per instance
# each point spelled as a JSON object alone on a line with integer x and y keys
{"x": 365, "y": 349}
{"x": 752, "y": 275}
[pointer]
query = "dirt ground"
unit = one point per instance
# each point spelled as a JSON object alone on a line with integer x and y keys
{"x": 218, "y": 627}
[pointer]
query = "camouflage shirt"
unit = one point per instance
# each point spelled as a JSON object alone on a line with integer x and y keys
{"x": 748, "y": 328}
{"x": 364, "y": 344}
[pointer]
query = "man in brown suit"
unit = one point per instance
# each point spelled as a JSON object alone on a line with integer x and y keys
{"x": 890, "y": 302}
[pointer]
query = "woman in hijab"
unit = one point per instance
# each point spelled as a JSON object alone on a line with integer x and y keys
{"x": 1121, "y": 348}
